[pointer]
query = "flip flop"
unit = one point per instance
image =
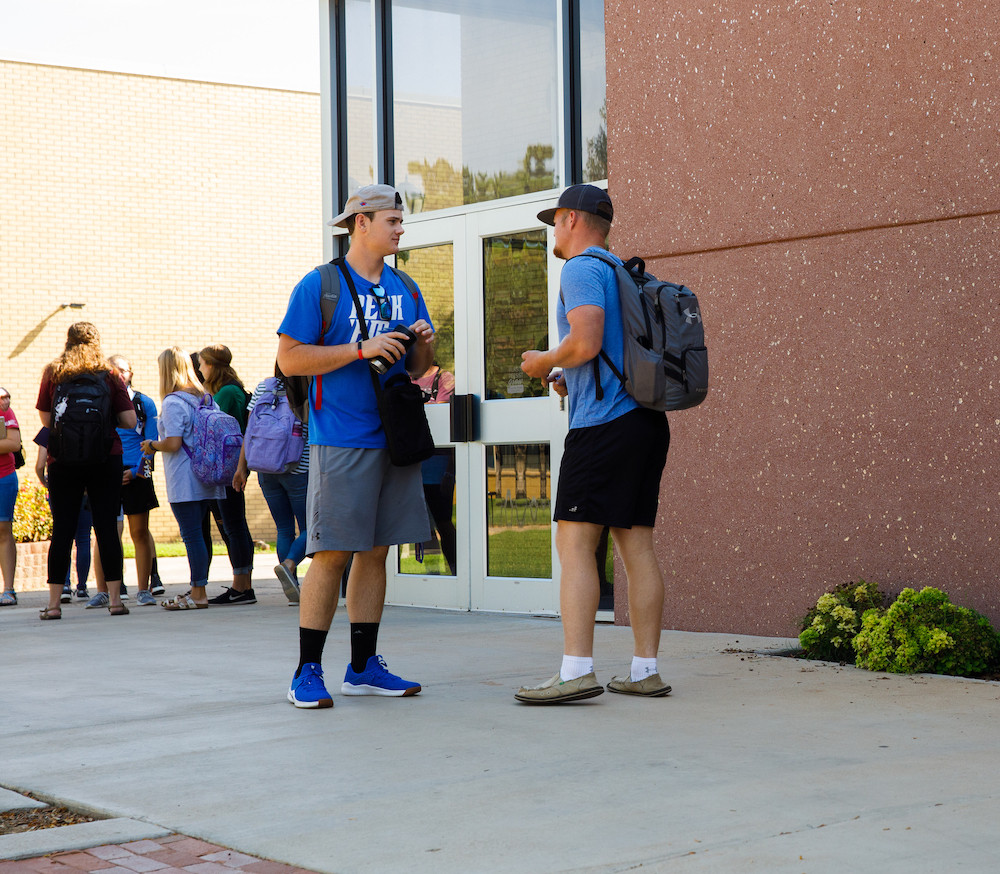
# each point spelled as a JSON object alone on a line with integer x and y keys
{"x": 47, "y": 613}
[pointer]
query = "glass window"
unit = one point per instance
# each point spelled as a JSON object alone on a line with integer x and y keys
{"x": 519, "y": 535}
{"x": 594, "y": 106}
{"x": 515, "y": 311}
{"x": 433, "y": 269}
{"x": 475, "y": 108}
{"x": 436, "y": 557}
{"x": 360, "y": 96}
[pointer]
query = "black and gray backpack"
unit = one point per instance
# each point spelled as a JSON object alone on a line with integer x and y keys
{"x": 666, "y": 362}
{"x": 83, "y": 423}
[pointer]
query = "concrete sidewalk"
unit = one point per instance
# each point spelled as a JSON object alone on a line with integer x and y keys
{"x": 752, "y": 764}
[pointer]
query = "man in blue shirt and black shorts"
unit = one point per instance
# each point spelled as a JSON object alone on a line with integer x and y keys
{"x": 614, "y": 457}
{"x": 358, "y": 502}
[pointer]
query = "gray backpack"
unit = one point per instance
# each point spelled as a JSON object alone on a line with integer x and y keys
{"x": 666, "y": 362}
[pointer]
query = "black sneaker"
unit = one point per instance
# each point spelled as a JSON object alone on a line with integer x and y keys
{"x": 155, "y": 586}
{"x": 232, "y": 597}
{"x": 66, "y": 596}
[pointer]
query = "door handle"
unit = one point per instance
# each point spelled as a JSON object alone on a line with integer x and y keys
{"x": 464, "y": 418}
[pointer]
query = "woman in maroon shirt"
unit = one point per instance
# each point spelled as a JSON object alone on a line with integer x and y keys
{"x": 101, "y": 480}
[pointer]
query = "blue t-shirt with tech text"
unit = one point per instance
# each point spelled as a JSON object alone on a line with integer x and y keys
{"x": 588, "y": 281}
{"x": 348, "y": 416}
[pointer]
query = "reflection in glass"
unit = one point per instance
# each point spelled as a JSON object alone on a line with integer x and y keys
{"x": 516, "y": 311}
{"x": 360, "y": 96}
{"x": 594, "y": 116}
{"x": 518, "y": 518}
{"x": 475, "y": 103}
{"x": 433, "y": 269}
{"x": 436, "y": 557}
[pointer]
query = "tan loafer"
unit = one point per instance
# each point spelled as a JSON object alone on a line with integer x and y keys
{"x": 649, "y": 687}
{"x": 556, "y": 691}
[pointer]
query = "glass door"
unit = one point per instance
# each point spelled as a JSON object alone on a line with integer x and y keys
{"x": 431, "y": 574}
{"x": 491, "y": 283}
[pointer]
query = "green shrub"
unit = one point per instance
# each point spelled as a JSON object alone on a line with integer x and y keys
{"x": 830, "y": 626}
{"x": 923, "y": 632}
{"x": 32, "y": 516}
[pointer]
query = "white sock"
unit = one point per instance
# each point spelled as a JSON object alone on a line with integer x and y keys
{"x": 575, "y": 666}
{"x": 642, "y": 668}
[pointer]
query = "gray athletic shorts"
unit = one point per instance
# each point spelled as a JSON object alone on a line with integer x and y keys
{"x": 358, "y": 500}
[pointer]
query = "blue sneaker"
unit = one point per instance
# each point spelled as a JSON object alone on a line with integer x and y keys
{"x": 307, "y": 689}
{"x": 375, "y": 679}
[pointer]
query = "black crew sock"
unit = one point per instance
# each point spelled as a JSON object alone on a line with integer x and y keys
{"x": 311, "y": 643}
{"x": 364, "y": 638}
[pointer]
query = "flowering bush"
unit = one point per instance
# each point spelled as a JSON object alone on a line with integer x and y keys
{"x": 830, "y": 626}
{"x": 32, "y": 516}
{"x": 924, "y": 632}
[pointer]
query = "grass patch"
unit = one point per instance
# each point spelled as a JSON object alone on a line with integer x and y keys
{"x": 434, "y": 565}
{"x": 174, "y": 549}
{"x": 525, "y": 552}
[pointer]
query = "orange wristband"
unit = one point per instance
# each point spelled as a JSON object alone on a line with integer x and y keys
{"x": 361, "y": 357}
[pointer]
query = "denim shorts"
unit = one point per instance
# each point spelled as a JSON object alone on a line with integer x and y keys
{"x": 8, "y": 496}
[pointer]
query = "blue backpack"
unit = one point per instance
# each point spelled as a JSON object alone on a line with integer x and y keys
{"x": 215, "y": 443}
{"x": 274, "y": 439}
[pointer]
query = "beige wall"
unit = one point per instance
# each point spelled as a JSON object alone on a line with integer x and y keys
{"x": 178, "y": 212}
{"x": 827, "y": 179}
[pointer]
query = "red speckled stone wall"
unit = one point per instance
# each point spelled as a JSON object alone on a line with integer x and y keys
{"x": 825, "y": 176}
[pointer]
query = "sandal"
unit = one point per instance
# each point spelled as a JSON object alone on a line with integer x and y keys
{"x": 8, "y": 598}
{"x": 120, "y": 610}
{"x": 50, "y": 613}
{"x": 183, "y": 602}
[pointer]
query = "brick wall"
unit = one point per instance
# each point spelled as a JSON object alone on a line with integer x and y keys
{"x": 178, "y": 212}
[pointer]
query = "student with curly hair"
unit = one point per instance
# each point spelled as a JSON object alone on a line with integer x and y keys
{"x": 83, "y": 361}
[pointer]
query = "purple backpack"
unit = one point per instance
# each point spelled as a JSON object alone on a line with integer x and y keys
{"x": 274, "y": 440}
{"x": 215, "y": 443}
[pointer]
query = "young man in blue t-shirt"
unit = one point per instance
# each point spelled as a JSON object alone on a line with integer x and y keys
{"x": 614, "y": 457}
{"x": 358, "y": 502}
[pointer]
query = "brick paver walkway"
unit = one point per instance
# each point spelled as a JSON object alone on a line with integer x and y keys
{"x": 173, "y": 854}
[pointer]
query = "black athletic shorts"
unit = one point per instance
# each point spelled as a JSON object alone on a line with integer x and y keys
{"x": 139, "y": 497}
{"x": 610, "y": 474}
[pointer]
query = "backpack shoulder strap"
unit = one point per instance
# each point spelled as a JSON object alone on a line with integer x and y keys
{"x": 329, "y": 294}
{"x": 598, "y": 388}
{"x": 328, "y": 298}
{"x": 407, "y": 280}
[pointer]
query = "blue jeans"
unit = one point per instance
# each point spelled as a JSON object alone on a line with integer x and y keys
{"x": 189, "y": 515}
{"x": 285, "y": 494}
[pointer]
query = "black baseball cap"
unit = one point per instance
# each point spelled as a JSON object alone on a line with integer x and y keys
{"x": 584, "y": 198}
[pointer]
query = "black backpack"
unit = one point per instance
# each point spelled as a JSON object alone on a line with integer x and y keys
{"x": 83, "y": 423}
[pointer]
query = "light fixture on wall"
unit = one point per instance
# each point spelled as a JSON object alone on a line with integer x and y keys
{"x": 74, "y": 306}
